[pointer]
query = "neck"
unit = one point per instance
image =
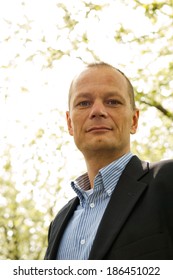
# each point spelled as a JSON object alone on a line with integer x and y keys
{"x": 96, "y": 162}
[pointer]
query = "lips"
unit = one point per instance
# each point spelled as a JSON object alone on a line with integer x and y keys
{"x": 99, "y": 128}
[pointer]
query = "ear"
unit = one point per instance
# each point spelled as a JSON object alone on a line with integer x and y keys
{"x": 135, "y": 118}
{"x": 69, "y": 123}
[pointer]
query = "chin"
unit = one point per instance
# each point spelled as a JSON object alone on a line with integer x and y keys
{"x": 99, "y": 145}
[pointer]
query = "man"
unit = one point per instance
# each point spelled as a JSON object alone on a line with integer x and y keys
{"x": 124, "y": 206}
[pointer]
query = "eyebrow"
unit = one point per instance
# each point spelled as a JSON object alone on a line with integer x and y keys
{"x": 88, "y": 94}
{"x": 82, "y": 95}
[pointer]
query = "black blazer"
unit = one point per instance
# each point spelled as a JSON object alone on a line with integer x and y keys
{"x": 138, "y": 221}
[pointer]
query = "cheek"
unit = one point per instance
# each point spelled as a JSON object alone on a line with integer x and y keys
{"x": 77, "y": 124}
{"x": 126, "y": 125}
{"x": 74, "y": 129}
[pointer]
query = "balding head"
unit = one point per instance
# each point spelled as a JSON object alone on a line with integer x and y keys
{"x": 106, "y": 65}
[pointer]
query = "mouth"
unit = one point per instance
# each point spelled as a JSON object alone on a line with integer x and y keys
{"x": 99, "y": 129}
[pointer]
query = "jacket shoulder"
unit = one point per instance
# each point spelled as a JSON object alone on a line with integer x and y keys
{"x": 163, "y": 166}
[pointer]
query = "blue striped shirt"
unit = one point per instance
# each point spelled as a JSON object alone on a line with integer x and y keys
{"x": 81, "y": 230}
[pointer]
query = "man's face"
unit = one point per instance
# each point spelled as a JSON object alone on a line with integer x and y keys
{"x": 101, "y": 117}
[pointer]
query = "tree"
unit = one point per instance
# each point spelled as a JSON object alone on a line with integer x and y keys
{"x": 156, "y": 87}
{"x": 42, "y": 43}
{"x": 31, "y": 176}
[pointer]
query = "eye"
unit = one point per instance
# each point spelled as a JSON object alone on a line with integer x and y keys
{"x": 113, "y": 102}
{"x": 84, "y": 103}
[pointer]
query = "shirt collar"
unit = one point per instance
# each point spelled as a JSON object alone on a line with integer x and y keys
{"x": 109, "y": 175}
{"x": 81, "y": 185}
{"x": 112, "y": 172}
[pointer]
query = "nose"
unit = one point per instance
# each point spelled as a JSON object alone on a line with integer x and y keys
{"x": 98, "y": 110}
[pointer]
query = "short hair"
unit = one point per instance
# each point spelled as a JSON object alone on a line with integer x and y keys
{"x": 104, "y": 64}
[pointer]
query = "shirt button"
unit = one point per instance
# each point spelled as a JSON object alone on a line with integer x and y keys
{"x": 82, "y": 242}
{"x": 109, "y": 192}
{"x": 92, "y": 205}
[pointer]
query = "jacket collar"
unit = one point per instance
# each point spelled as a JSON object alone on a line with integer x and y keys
{"x": 126, "y": 194}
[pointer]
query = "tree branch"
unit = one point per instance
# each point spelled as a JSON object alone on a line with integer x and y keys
{"x": 158, "y": 106}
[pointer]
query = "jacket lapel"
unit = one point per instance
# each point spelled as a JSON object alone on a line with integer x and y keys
{"x": 127, "y": 192}
{"x": 57, "y": 228}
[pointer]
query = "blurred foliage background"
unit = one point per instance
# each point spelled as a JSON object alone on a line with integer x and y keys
{"x": 42, "y": 45}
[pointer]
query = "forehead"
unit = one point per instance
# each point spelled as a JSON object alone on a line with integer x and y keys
{"x": 91, "y": 78}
